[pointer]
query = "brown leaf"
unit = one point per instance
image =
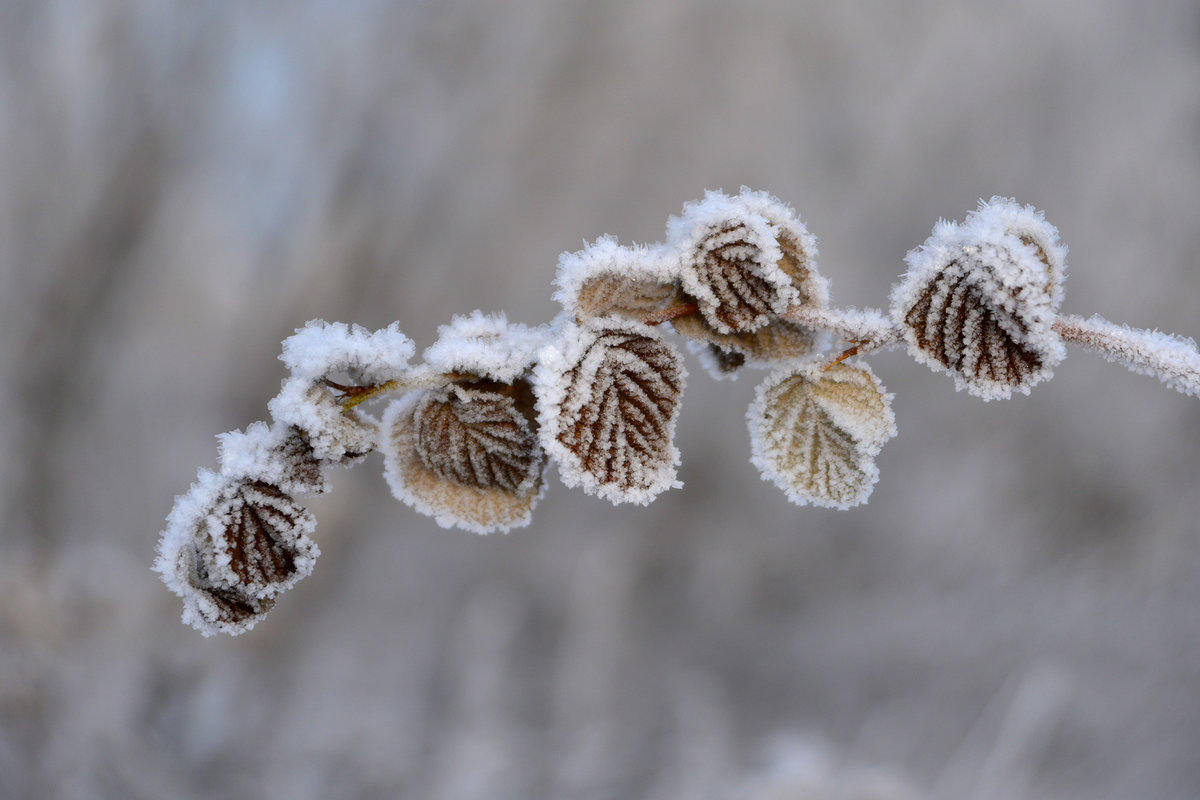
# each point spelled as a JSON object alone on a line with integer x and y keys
{"x": 260, "y": 543}
{"x": 476, "y": 436}
{"x": 980, "y": 298}
{"x": 608, "y": 406}
{"x": 734, "y": 293}
{"x": 964, "y": 321}
{"x": 466, "y": 454}
{"x": 776, "y": 341}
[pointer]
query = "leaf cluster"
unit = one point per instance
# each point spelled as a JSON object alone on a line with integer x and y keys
{"x": 470, "y": 430}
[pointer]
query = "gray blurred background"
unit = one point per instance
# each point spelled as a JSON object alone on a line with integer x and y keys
{"x": 1016, "y": 613}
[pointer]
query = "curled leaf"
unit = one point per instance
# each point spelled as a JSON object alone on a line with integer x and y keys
{"x": 815, "y": 432}
{"x": 606, "y": 279}
{"x": 745, "y": 260}
{"x": 608, "y": 398}
{"x": 979, "y": 300}
{"x": 466, "y": 454}
{"x": 230, "y": 548}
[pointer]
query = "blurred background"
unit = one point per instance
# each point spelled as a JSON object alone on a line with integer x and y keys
{"x": 1016, "y": 613}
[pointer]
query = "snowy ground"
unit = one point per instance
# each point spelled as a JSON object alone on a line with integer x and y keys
{"x": 1014, "y": 614}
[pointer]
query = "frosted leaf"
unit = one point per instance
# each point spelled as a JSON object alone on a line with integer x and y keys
{"x": 745, "y": 259}
{"x": 815, "y": 432}
{"x": 486, "y": 345}
{"x": 979, "y": 300}
{"x": 334, "y": 433}
{"x": 277, "y": 455}
{"x": 607, "y": 279}
{"x": 797, "y": 246}
{"x": 322, "y": 349}
{"x": 608, "y": 397}
{"x": 230, "y": 547}
{"x": 722, "y": 354}
{"x": 466, "y": 454}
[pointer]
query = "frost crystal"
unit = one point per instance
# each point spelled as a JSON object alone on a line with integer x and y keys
{"x": 608, "y": 397}
{"x": 321, "y": 349}
{"x": 230, "y": 547}
{"x": 334, "y": 433}
{"x": 979, "y": 300}
{"x": 277, "y": 455}
{"x": 465, "y": 454}
{"x": 607, "y": 279}
{"x": 486, "y": 345}
{"x": 815, "y": 432}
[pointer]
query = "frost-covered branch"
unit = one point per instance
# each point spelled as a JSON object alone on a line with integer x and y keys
{"x": 1172, "y": 359}
{"x": 469, "y": 431}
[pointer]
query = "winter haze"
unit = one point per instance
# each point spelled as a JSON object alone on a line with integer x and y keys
{"x": 1015, "y": 615}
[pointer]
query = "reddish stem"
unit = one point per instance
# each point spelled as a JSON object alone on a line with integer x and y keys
{"x": 673, "y": 312}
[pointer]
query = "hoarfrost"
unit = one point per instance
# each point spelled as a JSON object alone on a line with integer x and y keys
{"x": 321, "y": 349}
{"x": 278, "y": 455}
{"x": 334, "y": 433}
{"x": 730, "y": 263}
{"x": 486, "y": 345}
{"x": 723, "y": 354}
{"x": 746, "y": 261}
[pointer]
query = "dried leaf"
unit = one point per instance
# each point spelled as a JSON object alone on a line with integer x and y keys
{"x": 255, "y": 539}
{"x": 730, "y": 278}
{"x": 608, "y": 398}
{"x": 745, "y": 261}
{"x": 979, "y": 300}
{"x": 607, "y": 279}
{"x": 466, "y": 454}
{"x": 230, "y": 547}
{"x": 815, "y": 432}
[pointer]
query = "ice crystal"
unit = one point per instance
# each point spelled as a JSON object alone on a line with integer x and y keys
{"x": 745, "y": 261}
{"x": 486, "y": 345}
{"x": 608, "y": 397}
{"x": 723, "y": 354}
{"x": 333, "y": 432}
{"x": 815, "y": 432}
{"x": 277, "y": 455}
{"x": 1172, "y": 359}
{"x": 730, "y": 263}
{"x": 322, "y": 349}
